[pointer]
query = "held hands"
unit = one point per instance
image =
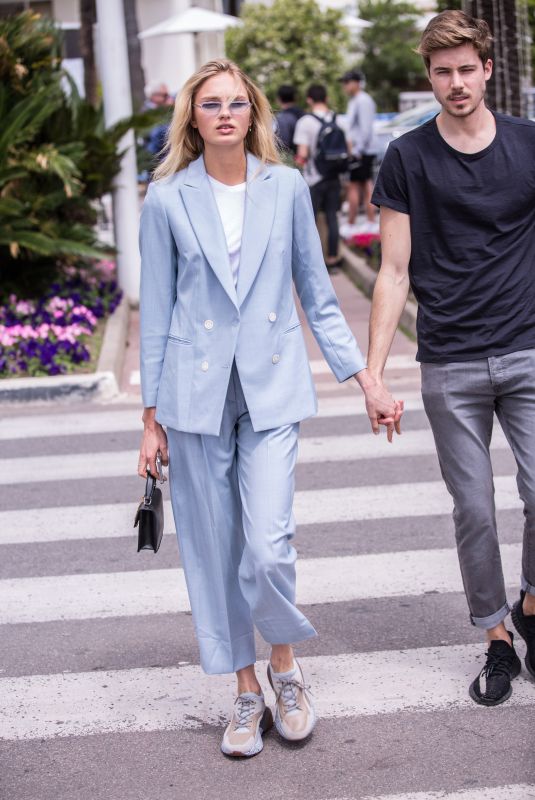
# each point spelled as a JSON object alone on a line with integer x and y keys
{"x": 154, "y": 439}
{"x": 381, "y": 407}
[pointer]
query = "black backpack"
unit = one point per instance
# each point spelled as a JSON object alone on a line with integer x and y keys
{"x": 332, "y": 156}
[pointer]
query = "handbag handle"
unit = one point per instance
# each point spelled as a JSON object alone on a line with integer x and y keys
{"x": 147, "y": 498}
{"x": 149, "y": 490}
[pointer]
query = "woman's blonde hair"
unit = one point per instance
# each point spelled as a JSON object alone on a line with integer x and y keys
{"x": 453, "y": 28}
{"x": 184, "y": 143}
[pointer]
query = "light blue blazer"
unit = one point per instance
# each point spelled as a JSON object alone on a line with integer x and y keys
{"x": 194, "y": 322}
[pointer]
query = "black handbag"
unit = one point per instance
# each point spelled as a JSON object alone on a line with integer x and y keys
{"x": 149, "y": 517}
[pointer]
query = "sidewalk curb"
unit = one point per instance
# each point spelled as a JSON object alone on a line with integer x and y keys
{"x": 103, "y": 384}
{"x": 364, "y": 277}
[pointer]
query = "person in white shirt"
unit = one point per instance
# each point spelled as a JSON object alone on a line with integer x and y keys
{"x": 361, "y": 111}
{"x": 325, "y": 192}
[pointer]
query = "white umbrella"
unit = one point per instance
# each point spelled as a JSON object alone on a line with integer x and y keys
{"x": 194, "y": 20}
{"x": 355, "y": 23}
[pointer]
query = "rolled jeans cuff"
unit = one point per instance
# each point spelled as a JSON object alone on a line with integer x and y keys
{"x": 527, "y": 586}
{"x": 492, "y": 620}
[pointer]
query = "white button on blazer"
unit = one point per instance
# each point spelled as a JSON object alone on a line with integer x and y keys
{"x": 185, "y": 266}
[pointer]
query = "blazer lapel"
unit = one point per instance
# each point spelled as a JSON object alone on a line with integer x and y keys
{"x": 259, "y": 213}
{"x": 204, "y": 216}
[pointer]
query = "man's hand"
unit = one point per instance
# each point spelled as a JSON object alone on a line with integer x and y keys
{"x": 381, "y": 407}
{"x": 154, "y": 440}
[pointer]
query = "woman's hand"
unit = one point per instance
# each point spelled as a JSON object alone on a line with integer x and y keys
{"x": 154, "y": 439}
{"x": 381, "y": 407}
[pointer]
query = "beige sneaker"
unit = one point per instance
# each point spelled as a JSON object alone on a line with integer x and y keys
{"x": 251, "y": 718}
{"x": 294, "y": 713}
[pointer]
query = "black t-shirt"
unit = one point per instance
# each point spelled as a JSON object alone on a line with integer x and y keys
{"x": 472, "y": 219}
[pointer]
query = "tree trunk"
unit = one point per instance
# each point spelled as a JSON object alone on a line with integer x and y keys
{"x": 88, "y": 17}
{"x": 504, "y": 90}
{"x": 137, "y": 76}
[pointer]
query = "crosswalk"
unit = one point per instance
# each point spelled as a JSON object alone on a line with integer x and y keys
{"x": 397, "y": 696}
{"x": 318, "y": 449}
{"x": 82, "y": 700}
{"x": 511, "y": 792}
{"x": 350, "y": 504}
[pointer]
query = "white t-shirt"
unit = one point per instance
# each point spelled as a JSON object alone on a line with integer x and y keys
{"x": 231, "y": 206}
{"x": 307, "y": 129}
{"x": 361, "y": 117}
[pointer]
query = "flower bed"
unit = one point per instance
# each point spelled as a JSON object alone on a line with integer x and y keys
{"x": 54, "y": 334}
{"x": 369, "y": 246}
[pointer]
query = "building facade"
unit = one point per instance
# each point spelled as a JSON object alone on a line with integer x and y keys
{"x": 168, "y": 58}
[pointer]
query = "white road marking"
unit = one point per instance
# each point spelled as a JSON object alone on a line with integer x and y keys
{"x": 346, "y": 406}
{"x": 320, "y": 367}
{"x": 163, "y": 591}
{"x": 115, "y": 421}
{"x": 515, "y": 791}
{"x": 321, "y": 506}
{"x": 312, "y": 450}
{"x": 347, "y": 685}
{"x": 70, "y": 423}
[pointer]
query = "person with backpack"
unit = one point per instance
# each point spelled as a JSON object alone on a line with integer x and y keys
{"x": 323, "y": 154}
{"x": 287, "y": 117}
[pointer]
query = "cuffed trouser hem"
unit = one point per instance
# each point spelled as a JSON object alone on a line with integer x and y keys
{"x": 527, "y": 586}
{"x": 276, "y": 633}
{"x": 219, "y": 657}
{"x": 492, "y": 620}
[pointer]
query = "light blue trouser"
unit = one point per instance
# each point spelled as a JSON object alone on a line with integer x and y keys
{"x": 460, "y": 400}
{"x": 232, "y": 498}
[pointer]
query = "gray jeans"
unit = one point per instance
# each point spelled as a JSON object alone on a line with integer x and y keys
{"x": 460, "y": 399}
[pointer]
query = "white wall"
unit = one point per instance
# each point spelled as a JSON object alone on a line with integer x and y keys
{"x": 66, "y": 10}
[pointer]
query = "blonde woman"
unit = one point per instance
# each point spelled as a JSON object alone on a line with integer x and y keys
{"x": 224, "y": 230}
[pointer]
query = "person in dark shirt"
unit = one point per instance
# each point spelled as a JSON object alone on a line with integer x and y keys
{"x": 287, "y": 117}
{"x": 457, "y": 200}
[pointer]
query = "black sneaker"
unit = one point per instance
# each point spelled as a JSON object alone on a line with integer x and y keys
{"x": 501, "y": 667}
{"x": 525, "y": 625}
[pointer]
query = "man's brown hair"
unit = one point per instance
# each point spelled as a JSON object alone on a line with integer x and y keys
{"x": 454, "y": 28}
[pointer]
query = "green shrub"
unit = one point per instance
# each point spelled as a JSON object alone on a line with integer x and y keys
{"x": 294, "y": 43}
{"x": 56, "y": 157}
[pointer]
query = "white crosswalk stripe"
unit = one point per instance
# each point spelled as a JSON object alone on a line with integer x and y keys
{"x": 393, "y": 682}
{"x": 129, "y": 419}
{"x": 351, "y": 504}
{"x": 349, "y": 685}
{"x": 312, "y": 450}
{"x": 163, "y": 591}
{"x": 320, "y": 367}
{"x": 517, "y": 791}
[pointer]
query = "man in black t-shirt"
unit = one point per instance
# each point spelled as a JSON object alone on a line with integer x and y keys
{"x": 457, "y": 199}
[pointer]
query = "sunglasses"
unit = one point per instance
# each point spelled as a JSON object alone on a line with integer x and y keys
{"x": 213, "y": 107}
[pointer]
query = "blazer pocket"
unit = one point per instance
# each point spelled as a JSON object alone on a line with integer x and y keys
{"x": 291, "y": 328}
{"x": 178, "y": 340}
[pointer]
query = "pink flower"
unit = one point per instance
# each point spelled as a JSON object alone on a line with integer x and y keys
{"x": 24, "y": 307}
{"x": 106, "y": 264}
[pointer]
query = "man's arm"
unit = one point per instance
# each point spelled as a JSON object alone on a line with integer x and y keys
{"x": 389, "y": 297}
